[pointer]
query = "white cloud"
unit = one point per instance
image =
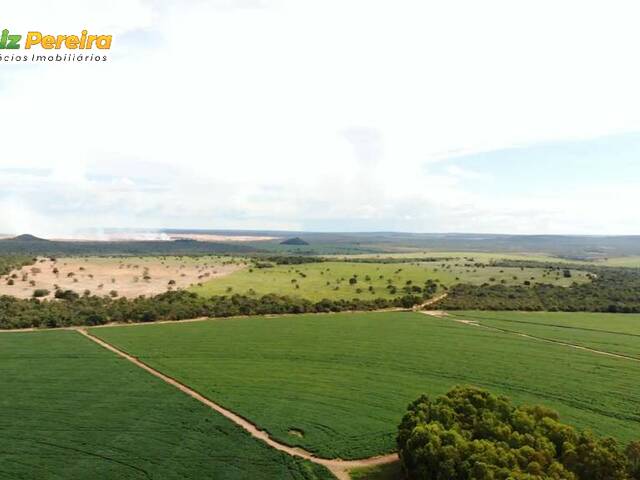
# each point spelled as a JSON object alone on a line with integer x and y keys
{"x": 287, "y": 113}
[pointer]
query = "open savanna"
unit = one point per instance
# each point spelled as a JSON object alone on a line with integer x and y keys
{"x": 338, "y": 384}
{"x": 73, "y": 410}
{"x": 609, "y": 332}
{"x": 331, "y": 279}
{"x": 126, "y": 276}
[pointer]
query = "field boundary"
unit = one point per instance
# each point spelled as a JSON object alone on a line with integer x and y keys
{"x": 339, "y": 468}
{"x": 476, "y": 323}
{"x": 201, "y": 319}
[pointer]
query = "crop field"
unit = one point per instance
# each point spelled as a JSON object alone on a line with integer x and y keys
{"x": 126, "y": 276}
{"x": 609, "y": 332}
{"x": 316, "y": 281}
{"x": 338, "y": 384}
{"x": 72, "y": 410}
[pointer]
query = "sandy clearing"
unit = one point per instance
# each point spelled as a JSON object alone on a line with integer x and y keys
{"x": 476, "y": 323}
{"x": 339, "y": 468}
{"x": 130, "y": 277}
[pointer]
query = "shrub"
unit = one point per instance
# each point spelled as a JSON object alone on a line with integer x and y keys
{"x": 40, "y": 292}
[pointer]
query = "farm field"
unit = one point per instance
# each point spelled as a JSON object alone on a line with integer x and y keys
{"x": 73, "y": 410}
{"x": 316, "y": 281}
{"x": 338, "y": 384}
{"x": 127, "y": 276}
{"x": 610, "y": 332}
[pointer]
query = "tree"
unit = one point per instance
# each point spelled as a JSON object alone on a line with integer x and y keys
{"x": 633, "y": 458}
{"x": 470, "y": 433}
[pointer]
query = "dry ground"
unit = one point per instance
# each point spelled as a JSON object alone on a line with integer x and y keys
{"x": 129, "y": 276}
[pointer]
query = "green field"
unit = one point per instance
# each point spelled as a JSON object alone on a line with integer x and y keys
{"x": 344, "y": 380}
{"x": 72, "y": 410}
{"x": 316, "y": 281}
{"x": 610, "y": 332}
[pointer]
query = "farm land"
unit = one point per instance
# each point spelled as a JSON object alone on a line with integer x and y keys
{"x": 336, "y": 384}
{"x": 70, "y": 407}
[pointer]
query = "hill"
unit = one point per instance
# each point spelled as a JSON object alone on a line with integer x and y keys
{"x": 294, "y": 241}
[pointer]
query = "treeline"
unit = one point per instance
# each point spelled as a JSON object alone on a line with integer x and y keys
{"x": 387, "y": 260}
{"x": 40, "y": 247}
{"x": 12, "y": 262}
{"x": 72, "y": 310}
{"x": 291, "y": 259}
{"x": 615, "y": 290}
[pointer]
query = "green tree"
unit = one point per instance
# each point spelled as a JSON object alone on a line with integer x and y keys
{"x": 471, "y": 434}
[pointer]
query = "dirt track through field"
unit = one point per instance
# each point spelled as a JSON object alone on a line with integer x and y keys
{"x": 476, "y": 323}
{"x": 339, "y": 468}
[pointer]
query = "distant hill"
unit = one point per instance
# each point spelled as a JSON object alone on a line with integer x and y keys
{"x": 27, "y": 237}
{"x": 294, "y": 241}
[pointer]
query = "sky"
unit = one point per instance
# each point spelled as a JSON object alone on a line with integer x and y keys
{"x": 346, "y": 115}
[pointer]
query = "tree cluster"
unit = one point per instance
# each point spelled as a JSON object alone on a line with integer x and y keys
{"x": 471, "y": 434}
{"x": 615, "y": 290}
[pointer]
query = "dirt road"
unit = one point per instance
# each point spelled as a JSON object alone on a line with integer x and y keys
{"x": 339, "y": 468}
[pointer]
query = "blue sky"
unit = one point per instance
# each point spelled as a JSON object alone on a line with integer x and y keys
{"x": 552, "y": 166}
{"x": 460, "y": 116}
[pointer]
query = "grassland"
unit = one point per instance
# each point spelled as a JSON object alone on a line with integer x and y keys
{"x": 608, "y": 332}
{"x": 316, "y": 281}
{"x": 339, "y": 384}
{"x": 72, "y": 410}
{"x": 630, "y": 261}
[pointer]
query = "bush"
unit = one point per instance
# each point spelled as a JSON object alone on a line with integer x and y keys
{"x": 40, "y": 292}
{"x": 66, "y": 295}
{"x": 471, "y": 434}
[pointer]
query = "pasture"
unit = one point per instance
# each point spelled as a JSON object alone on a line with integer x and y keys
{"x": 332, "y": 279}
{"x": 73, "y": 410}
{"x": 338, "y": 384}
{"x": 126, "y": 276}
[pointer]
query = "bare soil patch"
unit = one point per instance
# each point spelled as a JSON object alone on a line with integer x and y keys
{"x": 129, "y": 277}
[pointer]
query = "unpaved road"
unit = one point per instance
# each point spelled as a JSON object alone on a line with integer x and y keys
{"x": 475, "y": 323}
{"x": 431, "y": 301}
{"x": 339, "y": 468}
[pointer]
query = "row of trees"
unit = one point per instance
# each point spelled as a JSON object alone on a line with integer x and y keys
{"x": 69, "y": 309}
{"x": 470, "y": 433}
